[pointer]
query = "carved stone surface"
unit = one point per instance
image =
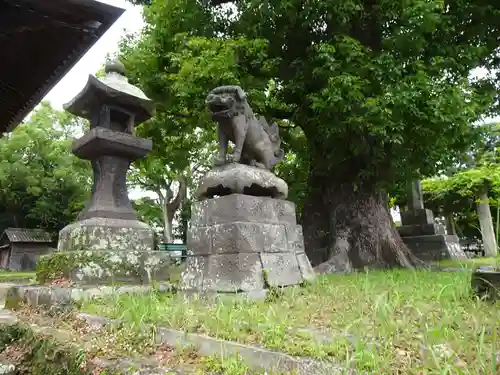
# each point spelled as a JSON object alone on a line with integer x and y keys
{"x": 115, "y": 93}
{"x": 238, "y": 207}
{"x": 242, "y": 243}
{"x": 106, "y": 234}
{"x": 110, "y": 266}
{"x": 256, "y": 143}
{"x": 241, "y": 179}
{"x": 101, "y": 141}
{"x": 417, "y": 217}
{"x": 435, "y": 247}
{"x": 114, "y": 108}
{"x": 415, "y": 196}
{"x": 421, "y": 230}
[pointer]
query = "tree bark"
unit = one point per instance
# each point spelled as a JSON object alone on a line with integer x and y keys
{"x": 348, "y": 226}
{"x": 170, "y": 208}
{"x": 486, "y": 223}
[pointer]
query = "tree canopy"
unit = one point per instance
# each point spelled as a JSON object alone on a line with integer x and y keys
{"x": 42, "y": 185}
{"x": 454, "y": 193}
{"x": 381, "y": 91}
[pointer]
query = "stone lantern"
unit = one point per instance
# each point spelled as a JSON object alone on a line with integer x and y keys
{"x": 108, "y": 226}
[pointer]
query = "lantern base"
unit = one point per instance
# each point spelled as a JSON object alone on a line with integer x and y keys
{"x": 106, "y": 234}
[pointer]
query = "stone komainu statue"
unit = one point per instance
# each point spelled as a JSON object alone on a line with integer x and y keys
{"x": 256, "y": 143}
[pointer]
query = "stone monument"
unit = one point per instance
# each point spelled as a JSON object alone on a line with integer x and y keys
{"x": 244, "y": 236}
{"x": 427, "y": 239}
{"x": 108, "y": 241}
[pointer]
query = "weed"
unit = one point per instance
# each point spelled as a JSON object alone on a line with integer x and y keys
{"x": 402, "y": 321}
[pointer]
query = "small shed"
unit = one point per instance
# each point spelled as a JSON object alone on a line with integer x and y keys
{"x": 21, "y": 247}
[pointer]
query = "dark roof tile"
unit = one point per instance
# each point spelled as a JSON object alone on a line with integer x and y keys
{"x": 27, "y": 235}
{"x": 44, "y": 39}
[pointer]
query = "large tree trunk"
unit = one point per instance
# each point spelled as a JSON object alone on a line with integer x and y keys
{"x": 486, "y": 223}
{"x": 348, "y": 226}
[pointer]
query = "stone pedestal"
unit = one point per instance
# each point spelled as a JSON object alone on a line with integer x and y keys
{"x": 243, "y": 243}
{"x": 106, "y": 234}
{"x": 426, "y": 239}
{"x": 105, "y": 267}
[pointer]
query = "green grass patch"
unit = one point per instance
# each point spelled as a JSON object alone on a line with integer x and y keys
{"x": 60, "y": 344}
{"x": 7, "y": 276}
{"x": 401, "y": 321}
{"x": 470, "y": 263}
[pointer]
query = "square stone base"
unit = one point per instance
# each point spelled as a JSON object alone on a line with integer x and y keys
{"x": 106, "y": 234}
{"x": 100, "y": 267}
{"x": 242, "y": 243}
{"x": 435, "y": 247}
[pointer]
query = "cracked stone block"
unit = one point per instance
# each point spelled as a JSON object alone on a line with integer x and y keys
{"x": 295, "y": 238}
{"x": 305, "y": 267}
{"x": 199, "y": 240}
{"x": 195, "y": 269}
{"x": 233, "y": 238}
{"x": 281, "y": 269}
{"x": 239, "y": 207}
{"x": 248, "y": 237}
{"x": 234, "y": 273}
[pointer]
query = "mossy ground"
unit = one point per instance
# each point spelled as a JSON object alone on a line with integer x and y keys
{"x": 66, "y": 345}
{"x": 400, "y": 321}
{"x": 16, "y": 276}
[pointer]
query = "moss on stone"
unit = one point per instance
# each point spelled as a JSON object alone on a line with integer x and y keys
{"x": 84, "y": 265}
{"x": 54, "y": 266}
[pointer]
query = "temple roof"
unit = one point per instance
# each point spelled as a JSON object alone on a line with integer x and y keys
{"x": 43, "y": 39}
{"x": 27, "y": 235}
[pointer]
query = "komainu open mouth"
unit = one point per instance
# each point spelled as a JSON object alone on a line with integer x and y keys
{"x": 218, "y": 107}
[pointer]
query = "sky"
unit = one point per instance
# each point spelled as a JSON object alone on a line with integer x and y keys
{"x": 75, "y": 80}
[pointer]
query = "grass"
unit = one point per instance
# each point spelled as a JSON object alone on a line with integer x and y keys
{"x": 65, "y": 339}
{"x": 470, "y": 263}
{"x": 8, "y": 276}
{"x": 409, "y": 322}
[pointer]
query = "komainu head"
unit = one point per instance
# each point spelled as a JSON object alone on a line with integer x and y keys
{"x": 228, "y": 101}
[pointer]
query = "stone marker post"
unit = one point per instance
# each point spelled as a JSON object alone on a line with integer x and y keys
{"x": 421, "y": 234}
{"x": 244, "y": 236}
{"x": 415, "y": 196}
{"x": 108, "y": 243}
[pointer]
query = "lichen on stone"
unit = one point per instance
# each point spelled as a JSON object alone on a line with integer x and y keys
{"x": 81, "y": 266}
